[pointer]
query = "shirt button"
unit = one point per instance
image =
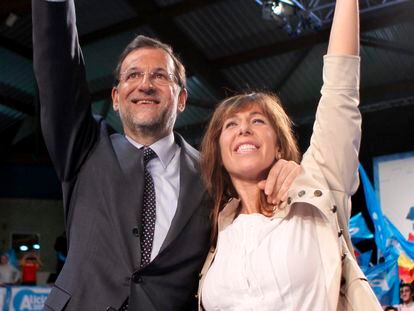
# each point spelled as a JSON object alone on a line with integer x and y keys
{"x": 135, "y": 232}
{"x": 289, "y": 200}
{"x": 317, "y": 193}
{"x": 301, "y": 193}
{"x": 334, "y": 209}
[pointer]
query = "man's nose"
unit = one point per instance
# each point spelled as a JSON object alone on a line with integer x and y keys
{"x": 146, "y": 82}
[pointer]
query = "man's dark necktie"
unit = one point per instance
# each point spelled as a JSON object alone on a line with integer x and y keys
{"x": 148, "y": 211}
{"x": 148, "y": 216}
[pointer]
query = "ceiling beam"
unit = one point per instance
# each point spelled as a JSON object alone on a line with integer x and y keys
{"x": 170, "y": 11}
{"x": 16, "y": 105}
{"x": 16, "y": 47}
{"x": 22, "y": 102}
{"x": 372, "y": 99}
{"x": 293, "y": 67}
{"x": 381, "y": 19}
{"x": 194, "y": 59}
{"x": 387, "y": 91}
{"x": 18, "y": 7}
{"x": 151, "y": 16}
{"x": 391, "y": 46}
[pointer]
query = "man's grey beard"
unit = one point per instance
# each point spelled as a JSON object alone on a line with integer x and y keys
{"x": 159, "y": 126}
{"x": 148, "y": 129}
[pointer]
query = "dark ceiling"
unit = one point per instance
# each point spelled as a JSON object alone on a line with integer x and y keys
{"x": 227, "y": 46}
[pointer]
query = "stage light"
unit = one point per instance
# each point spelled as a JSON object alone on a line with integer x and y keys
{"x": 290, "y": 15}
{"x": 280, "y": 8}
{"x": 23, "y": 248}
{"x": 283, "y": 7}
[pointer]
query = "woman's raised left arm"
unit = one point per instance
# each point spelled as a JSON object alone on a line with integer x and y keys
{"x": 337, "y": 130}
{"x": 344, "y": 37}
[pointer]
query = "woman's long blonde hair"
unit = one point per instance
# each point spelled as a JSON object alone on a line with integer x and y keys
{"x": 215, "y": 176}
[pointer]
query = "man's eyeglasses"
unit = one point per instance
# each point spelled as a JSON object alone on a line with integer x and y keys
{"x": 156, "y": 78}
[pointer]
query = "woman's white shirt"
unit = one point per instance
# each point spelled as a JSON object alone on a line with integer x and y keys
{"x": 268, "y": 264}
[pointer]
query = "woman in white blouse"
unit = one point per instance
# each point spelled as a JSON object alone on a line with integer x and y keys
{"x": 285, "y": 257}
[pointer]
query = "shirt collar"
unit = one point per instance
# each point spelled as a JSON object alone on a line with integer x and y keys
{"x": 228, "y": 213}
{"x": 165, "y": 148}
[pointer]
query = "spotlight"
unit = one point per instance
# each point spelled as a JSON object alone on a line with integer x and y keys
{"x": 280, "y": 8}
{"x": 290, "y": 15}
{"x": 285, "y": 8}
{"x": 279, "y": 11}
{"x": 23, "y": 248}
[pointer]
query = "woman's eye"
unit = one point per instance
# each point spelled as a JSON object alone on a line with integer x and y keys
{"x": 230, "y": 124}
{"x": 258, "y": 121}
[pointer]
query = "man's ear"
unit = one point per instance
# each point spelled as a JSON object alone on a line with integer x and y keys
{"x": 182, "y": 99}
{"x": 115, "y": 98}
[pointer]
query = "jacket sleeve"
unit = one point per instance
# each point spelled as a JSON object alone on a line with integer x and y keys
{"x": 68, "y": 127}
{"x": 336, "y": 134}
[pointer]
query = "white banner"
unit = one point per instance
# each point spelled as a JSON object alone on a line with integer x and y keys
{"x": 28, "y": 298}
{"x": 394, "y": 182}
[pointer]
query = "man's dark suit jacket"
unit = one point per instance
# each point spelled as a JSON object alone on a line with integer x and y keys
{"x": 102, "y": 181}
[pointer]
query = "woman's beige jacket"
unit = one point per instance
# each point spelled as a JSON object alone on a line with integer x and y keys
{"x": 329, "y": 178}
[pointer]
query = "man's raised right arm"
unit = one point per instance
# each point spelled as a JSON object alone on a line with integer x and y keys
{"x": 68, "y": 127}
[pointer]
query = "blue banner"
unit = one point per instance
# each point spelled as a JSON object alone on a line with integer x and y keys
{"x": 384, "y": 279}
{"x": 364, "y": 260}
{"x": 358, "y": 229}
{"x": 382, "y": 233}
{"x": 387, "y": 236}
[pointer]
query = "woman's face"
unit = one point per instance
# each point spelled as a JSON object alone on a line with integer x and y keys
{"x": 248, "y": 144}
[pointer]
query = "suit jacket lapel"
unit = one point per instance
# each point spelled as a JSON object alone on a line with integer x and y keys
{"x": 191, "y": 191}
{"x": 131, "y": 163}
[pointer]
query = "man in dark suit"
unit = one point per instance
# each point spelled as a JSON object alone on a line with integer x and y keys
{"x": 102, "y": 175}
